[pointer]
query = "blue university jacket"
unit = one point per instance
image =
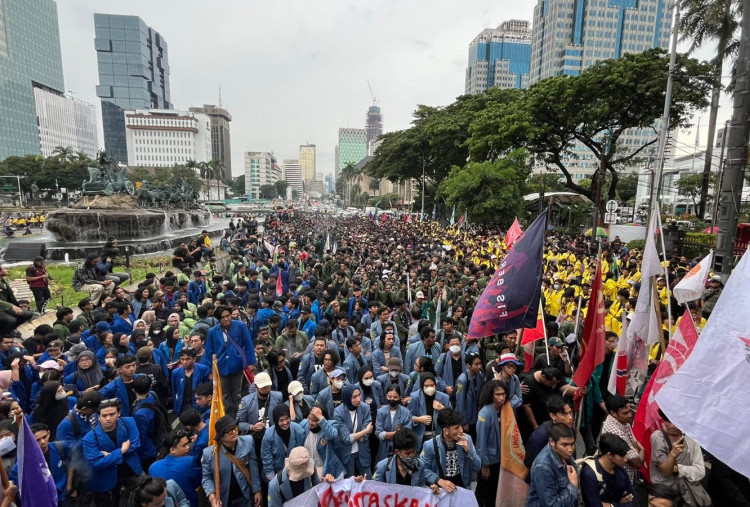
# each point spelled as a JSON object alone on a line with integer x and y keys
{"x": 56, "y": 467}
{"x": 488, "y": 436}
{"x": 145, "y": 420}
{"x": 245, "y": 452}
{"x": 325, "y": 443}
{"x": 117, "y": 389}
{"x": 386, "y": 470}
{"x": 201, "y": 373}
{"x": 229, "y": 359}
{"x": 273, "y": 451}
{"x": 417, "y": 407}
{"x": 383, "y": 424}
{"x": 279, "y": 493}
{"x": 104, "y": 468}
{"x": 549, "y": 480}
{"x": 247, "y": 414}
{"x": 467, "y": 396}
{"x": 378, "y": 359}
{"x": 183, "y": 471}
{"x": 468, "y": 463}
{"x": 347, "y": 430}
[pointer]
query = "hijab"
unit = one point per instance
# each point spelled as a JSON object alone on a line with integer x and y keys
{"x": 49, "y": 410}
{"x": 93, "y": 375}
{"x": 360, "y": 375}
{"x": 122, "y": 349}
{"x": 280, "y": 411}
{"x": 346, "y": 395}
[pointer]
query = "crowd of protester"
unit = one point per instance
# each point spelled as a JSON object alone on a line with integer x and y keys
{"x": 343, "y": 350}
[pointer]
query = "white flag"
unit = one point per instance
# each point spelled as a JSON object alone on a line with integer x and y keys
{"x": 708, "y": 398}
{"x": 644, "y": 324}
{"x": 691, "y": 287}
{"x": 327, "y": 246}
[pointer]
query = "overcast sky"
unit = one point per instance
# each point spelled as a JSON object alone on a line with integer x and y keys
{"x": 294, "y": 71}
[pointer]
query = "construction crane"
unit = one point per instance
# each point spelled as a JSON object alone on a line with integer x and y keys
{"x": 374, "y": 98}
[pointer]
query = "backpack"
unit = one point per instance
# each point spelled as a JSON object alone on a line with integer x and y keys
{"x": 75, "y": 424}
{"x": 161, "y": 426}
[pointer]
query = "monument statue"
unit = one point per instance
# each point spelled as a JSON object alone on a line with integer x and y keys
{"x": 107, "y": 178}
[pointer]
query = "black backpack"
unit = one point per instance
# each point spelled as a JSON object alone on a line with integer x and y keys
{"x": 161, "y": 426}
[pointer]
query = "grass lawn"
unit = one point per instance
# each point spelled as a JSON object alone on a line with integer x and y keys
{"x": 63, "y": 293}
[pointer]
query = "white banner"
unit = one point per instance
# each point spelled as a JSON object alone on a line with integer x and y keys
{"x": 349, "y": 493}
{"x": 708, "y": 398}
{"x": 693, "y": 284}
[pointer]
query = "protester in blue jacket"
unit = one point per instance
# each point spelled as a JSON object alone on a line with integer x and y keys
{"x": 311, "y": 361}
{"x": 185, "y": 379}
{"x": 299, "y": 403}
{"x": 297, "y": 476}
{"x": 390, "y": 418}
{"x": 279, "y": 440}
{"x": 492, "y": 399}
{"x": 256, "y": 408}
{"x": 403, "y": 466}
{"x": 453, "y": 445}
{"x": 355, "y": 426}
{"x": 56, "y": 454}
{"x": 105, "y": 456}
{"x": 118, "y": 388}
{"x": 146, "y": 419}
{"x": 179, "y": 466}
{"x": 323, "y": 446}
{"x": 468, "y": 387}
{"x": 424, "y": 405}
{"x": 230, "y": 341}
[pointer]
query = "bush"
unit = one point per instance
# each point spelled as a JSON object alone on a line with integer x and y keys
{"x": 637, "y": 244}
{"x": 697, "y": 244}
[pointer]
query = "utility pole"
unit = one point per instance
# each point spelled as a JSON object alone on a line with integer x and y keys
{"x": 734, "y": 168}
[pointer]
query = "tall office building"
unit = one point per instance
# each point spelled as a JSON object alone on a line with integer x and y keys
{"x": 293, "y": 175}
{"x": 500, "y": 57}
{"x": 373, "y": 123}
{"x": 133, "y": 74}
{"x": 220, "y": 136}
{"x": 163, "y": 138}
{"x": 308, "y": 158}
{"x": 64, "y": 121}
{"x": 261, "y": 168}
{"x": 570, "y": 36}
{"x": 352, "y": 147}
{"x": 29, "y": 54}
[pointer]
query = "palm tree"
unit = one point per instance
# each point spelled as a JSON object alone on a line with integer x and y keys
{"x": 349, "y": 173}
{"x": 711, "y": 20}
{"x": 375, "y": 185}
{"x": 217, "y": 173}
{"x": 63, "y": 153}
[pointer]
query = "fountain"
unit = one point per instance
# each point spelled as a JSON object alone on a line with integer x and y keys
{"x": 148, "y": 220}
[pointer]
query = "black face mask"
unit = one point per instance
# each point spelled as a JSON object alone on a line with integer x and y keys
{"x": 394, "y": 403}
{"x": 409, "y": 463}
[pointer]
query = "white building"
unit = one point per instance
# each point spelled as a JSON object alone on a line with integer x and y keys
{"x": 65, "y": 121}
{"x": 293, "y": 175}
{"x": 260, "y": 169}
{"x": 163, "y": 138}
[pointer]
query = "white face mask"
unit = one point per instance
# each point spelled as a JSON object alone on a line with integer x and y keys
{"x": 429, "y": 391}
{"x": 338, "y": 384}
{"x": 367, "y": 382}
{"x": 61, "y": 395}
{"x": 298, "y": 397}
{"x": 455, "y": 349}
{"x": 156, "y": 331}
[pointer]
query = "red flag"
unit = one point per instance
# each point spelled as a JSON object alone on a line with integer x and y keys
{"x": 279, "y": 286}
{"x": 594, "y": 331}
{"x": 647, "y": 418}
{"x": 513, "y": 234}
{"x": 528, "y": 338}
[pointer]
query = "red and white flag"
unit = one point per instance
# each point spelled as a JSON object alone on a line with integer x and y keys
{"x": 279, "y": 285}
{"x": 618, "y": 376}
{"x": 693, "y": 284}
{"x": 647, "y": 418}
{"x": 529, "y": 337}
{"x": 513, "y": 234}
{"x": 709, "y": 398}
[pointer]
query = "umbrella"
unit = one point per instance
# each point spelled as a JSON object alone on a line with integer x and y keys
{"x": 711, "y": 230}
{"x": 601, "y": 232}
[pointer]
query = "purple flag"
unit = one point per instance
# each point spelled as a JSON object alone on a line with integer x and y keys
{"x": 511, "y": 299}
{"x": 35, "y": 482}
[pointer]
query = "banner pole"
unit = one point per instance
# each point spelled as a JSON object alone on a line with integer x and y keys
{"x": 544, "y": 327}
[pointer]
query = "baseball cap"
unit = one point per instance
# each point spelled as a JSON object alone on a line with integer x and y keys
{"x": 394, "y": 363}
{"x": 102, "y": 326}
{"x": 420, "y": 294}
{"x": 295, "y": 387}
{"x": 555, "y": 342}
{"x": 144, "y": 352}
{"x": 337, "y": 373}
{"x": 263, "y": 379}
{"x": 50, "y": 364}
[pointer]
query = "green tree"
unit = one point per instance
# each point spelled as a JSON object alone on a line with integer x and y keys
{"x": 691, "y": 185}
{"x": 237, "y": 185}
{"x": 492, "y": 191}
{"x": 141, "y": 174}
{"x": 711, "y": 20}
{"x": 550, "y": 182}
{"x": 594, "y": 109}
{"x": 268, "y": 191}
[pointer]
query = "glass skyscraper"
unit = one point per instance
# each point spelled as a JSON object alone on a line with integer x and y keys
{"x": 29, "y": 54}
{"x": 133, "y": 74}
{"x": 352, "y": 147}
{"x": 500, "y": 57}
{"x": 570, "y": 36}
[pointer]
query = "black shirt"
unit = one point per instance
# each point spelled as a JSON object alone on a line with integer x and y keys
{"x": 456, "y": 367}
{"x": 282, "y": 382}
{"x": 187, "y": 392}
{"x": 336, "y": 398}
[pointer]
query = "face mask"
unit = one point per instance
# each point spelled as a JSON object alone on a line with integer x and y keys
{"x": 338, "y": 384}
{"x": 367, "y": 382}
{"x": 298, "y": 397}
{"x": 394, "y": 403}
{"x": 61, "y": 396}
{"x": 409, "y": 463}
{"x": 157, "y": 331}
{"x": 556, "y": 286}
{"x": 429, "y": 391}
{"x": 455, "y": 349}
{"x": 393, "y": 373}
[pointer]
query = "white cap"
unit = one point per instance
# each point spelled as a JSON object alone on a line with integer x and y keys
{"x": 263, "y": 379}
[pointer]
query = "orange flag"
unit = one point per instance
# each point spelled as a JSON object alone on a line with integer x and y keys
{"x": 217, "y": 403}
{"x": 511, "y": 487}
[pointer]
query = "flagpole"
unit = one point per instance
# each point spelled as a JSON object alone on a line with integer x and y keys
{"x": 666, "y": 275}
{"x": 544, "y": 327}
{"x": 578, "y": 317}
{"x": 217, "y": 463}
{"x": 408, "y": 287}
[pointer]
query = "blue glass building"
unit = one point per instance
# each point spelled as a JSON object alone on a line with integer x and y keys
{"x": 133, "y": 74}
{"x": 29, "y": 55}
{"x": 500, "y": 57}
